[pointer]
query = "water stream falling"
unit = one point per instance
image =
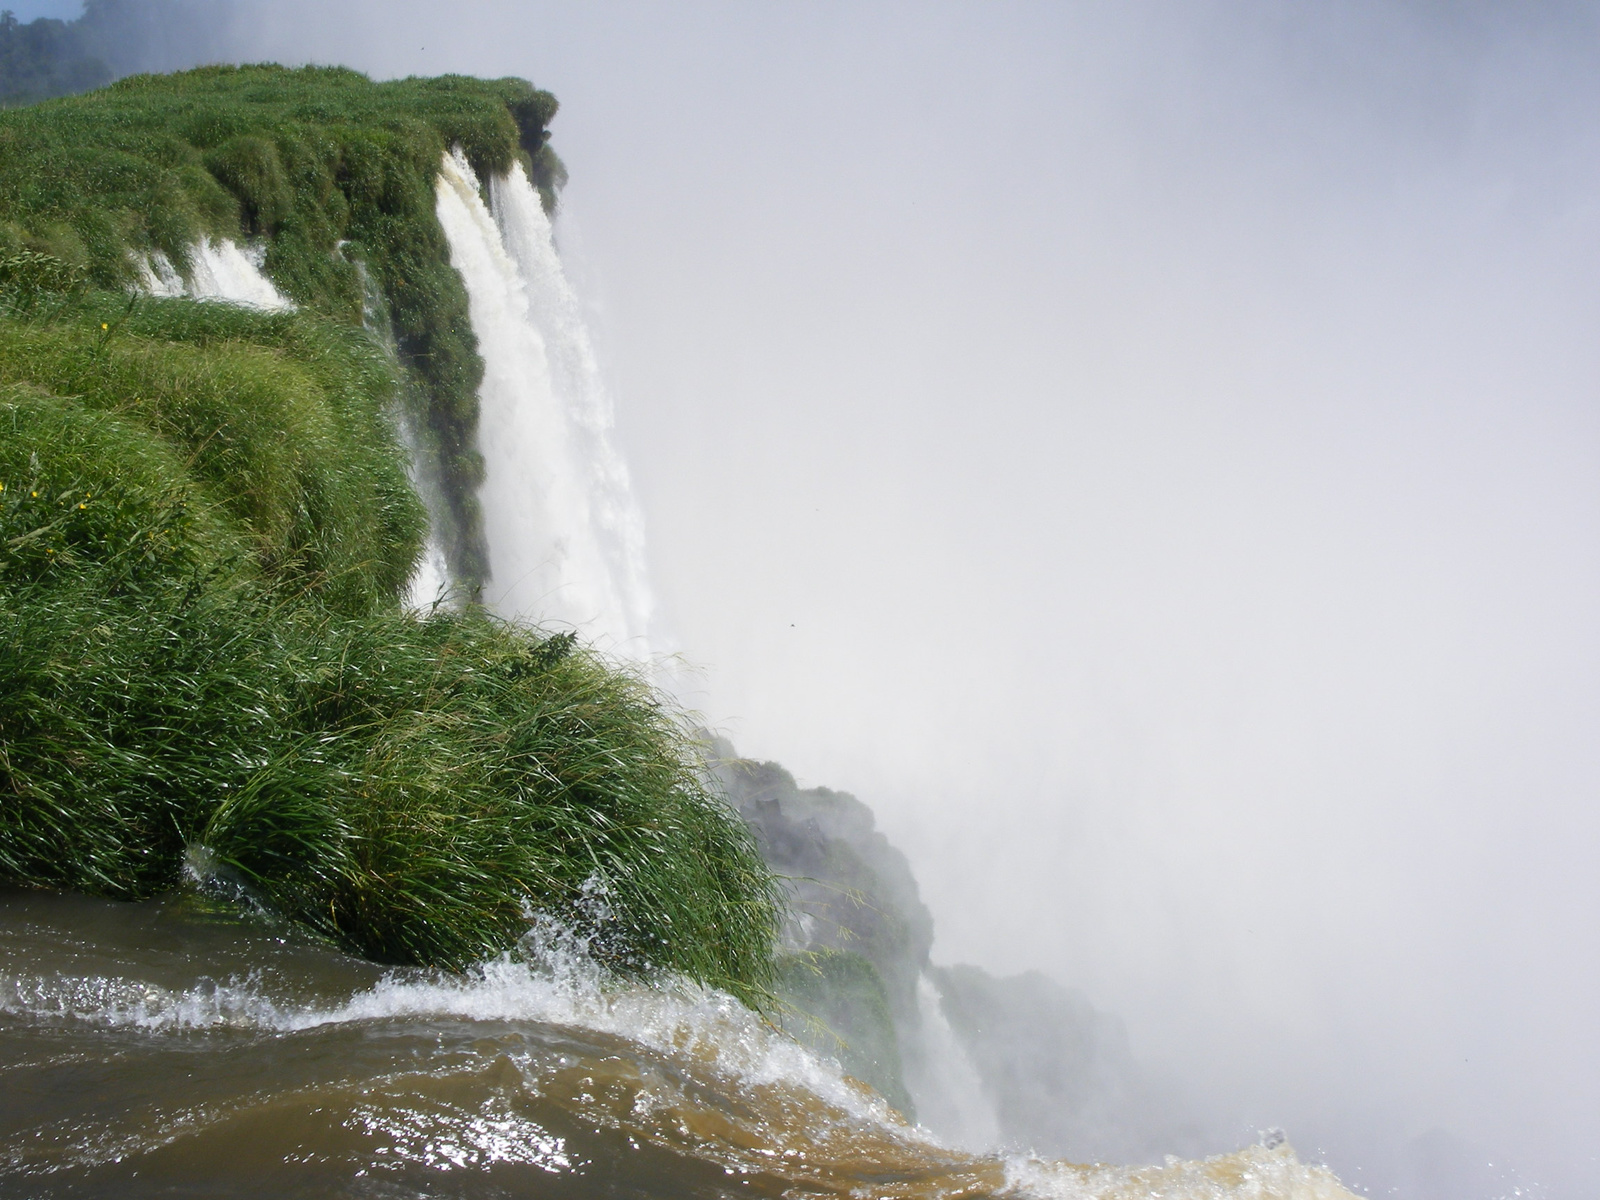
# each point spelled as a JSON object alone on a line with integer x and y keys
{"x": 566, "y": 545}
{"x": 219, "y": 269}
{"x": 946, "y": 1086}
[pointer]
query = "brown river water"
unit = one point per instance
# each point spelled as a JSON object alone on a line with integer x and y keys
{"x": 172, "y": 1049}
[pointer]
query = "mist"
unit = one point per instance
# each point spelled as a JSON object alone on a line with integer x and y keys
{"x": 1149, "y": 453}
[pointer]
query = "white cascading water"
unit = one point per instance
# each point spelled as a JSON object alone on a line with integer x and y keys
{"x": 565, "y": 537}
{"x": 218, "y": 270}
{"x": 222, "y": 271}
{"x": 946, "y": 1086}
{"x": 430, "y": 584}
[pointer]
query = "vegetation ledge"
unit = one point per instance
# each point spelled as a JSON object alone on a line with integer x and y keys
{"x": 207, "y": 671}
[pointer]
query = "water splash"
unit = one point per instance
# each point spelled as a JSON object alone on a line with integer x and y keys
{"x": 151, "y": 1049}
{"x": 565, "y": 538}
{"x": 1260, "y": 1172}
{"x": 552, "y": 980}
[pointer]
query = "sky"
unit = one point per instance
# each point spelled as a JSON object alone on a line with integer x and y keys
{"x": 30, "y": 10}
{"x": 1149, "y": 453}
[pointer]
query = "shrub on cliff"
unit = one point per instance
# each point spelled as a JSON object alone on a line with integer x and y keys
{"x": 415, "y": 789}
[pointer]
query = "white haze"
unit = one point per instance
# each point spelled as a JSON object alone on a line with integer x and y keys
{"x": 1149, "y": 452}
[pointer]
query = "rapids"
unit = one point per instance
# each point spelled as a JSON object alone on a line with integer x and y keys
{"x": 175, "y": 1048}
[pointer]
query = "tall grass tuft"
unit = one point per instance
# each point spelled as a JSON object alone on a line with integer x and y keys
{"x": 414, "y": 788}
{"x": 279, "y": 419}
{"x": 190, "y": 688}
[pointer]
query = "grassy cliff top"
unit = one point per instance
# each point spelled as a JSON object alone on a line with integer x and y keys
{"x": 330, "y": 172}
{"x": 206, "y": 529}
{"x": 155, "y": 162}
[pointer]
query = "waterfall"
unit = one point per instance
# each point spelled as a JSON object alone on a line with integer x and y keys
{"x": 223, "y": 270}
{"x": 565, "y": 537}
{"x": 430, "y": 583}
{"x": 218, "y": 270}
{"x": 949, "y": 1093}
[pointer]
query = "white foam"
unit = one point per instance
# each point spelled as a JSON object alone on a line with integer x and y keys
{"x": 1256, "y": 1173}
{"x": 222, "y": 270}
{"x": 157, "y": 275}
{"x": 118, "y": 1002}
{"x": 554, "y": 983}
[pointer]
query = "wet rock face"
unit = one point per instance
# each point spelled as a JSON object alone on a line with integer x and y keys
{"x": 858, "y": 934}
{"x": 1057, "y": 1073}
{"x": 850, "y": 889}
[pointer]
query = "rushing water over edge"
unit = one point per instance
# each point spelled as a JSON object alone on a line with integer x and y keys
{"x": 565, "y": 538}
{"x": 167, "y": 1048}
{"x": 218, "y": 270}
{"x": 948, "y": 1091}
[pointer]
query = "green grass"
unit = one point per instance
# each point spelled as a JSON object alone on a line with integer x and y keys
{"x": 280, "y": 419}
{"x": 413, "y": 788}
{"x": 330, "y": 169}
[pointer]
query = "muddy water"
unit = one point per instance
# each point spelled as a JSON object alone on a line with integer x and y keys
{"x": 175, "y": 1050}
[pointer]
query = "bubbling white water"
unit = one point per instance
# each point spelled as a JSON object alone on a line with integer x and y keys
{"x": 552, "y": 981}
{"x": 564, "y": 534}
{"x": 1270, "y": 1171}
